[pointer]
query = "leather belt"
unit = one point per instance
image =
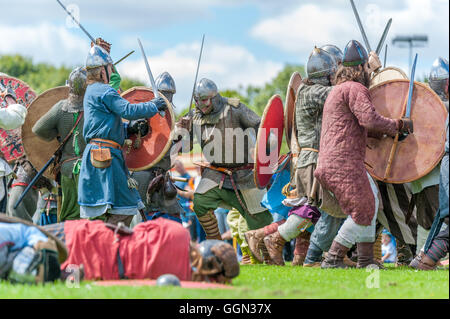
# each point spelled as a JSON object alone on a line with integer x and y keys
{"x": 100, "y": 142}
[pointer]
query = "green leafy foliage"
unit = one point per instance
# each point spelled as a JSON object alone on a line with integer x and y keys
{"x": 42, "y": 76}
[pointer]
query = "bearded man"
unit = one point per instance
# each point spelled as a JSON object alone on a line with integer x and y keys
{"x": 65, "y": 120}
{"x": 220, "y": 126}
{"x": 348, "y": 117}
{"x": 105, "y": 187}
{"x": 311, "y": 96}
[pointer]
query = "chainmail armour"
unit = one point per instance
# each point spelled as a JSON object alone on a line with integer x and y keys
{"x": 227, "y": 113}
{"x": 58, "y": 122}
{"x": 308, "y": 112}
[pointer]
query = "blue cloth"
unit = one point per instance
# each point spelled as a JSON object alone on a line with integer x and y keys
{"x": 389, "y": 248}
{"x": 47, "y": 219}
{"x": 272, "y": 200}
{"x": 104, "y": 188}
{"x": 443, "y": 181}
{"x": 163, "y": 215}
{"x": 184, "y": 202}
{"x": 20, "y": 235}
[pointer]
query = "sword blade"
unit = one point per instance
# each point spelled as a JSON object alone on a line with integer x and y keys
{"x": 361, "y": 28}
{"x": 411, "y": 88}
{"x": 150, "y": 75}
{"x": 383, "y": 37}
{"x": 385, "y": 55}
{"x": 75, "y": 20}
{"x": 196, "y": 73}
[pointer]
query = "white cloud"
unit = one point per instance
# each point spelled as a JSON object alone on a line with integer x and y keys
{"x": 44, "y": 43}
{"x": 228, "y": 66}
{"x": 333, "y": 22}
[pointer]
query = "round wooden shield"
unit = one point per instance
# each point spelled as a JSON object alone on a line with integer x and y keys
{"x": 157, "y": 142}
{"x": 10, "y": 140}
{"x": 422, "y": 150}
{"x": 38, "y": 150}
{"x": 268, "y": 142}
{"x": 387, "y": 74}
{"x": 289, "y": 110}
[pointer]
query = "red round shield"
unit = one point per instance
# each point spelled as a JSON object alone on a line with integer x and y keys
{"x": 289, "y": 111}
{"x": 268, "y": 142}
{"x": 10, "y": 140}
{"x": 153, "y": 146}
{"x": 422, "y": 150}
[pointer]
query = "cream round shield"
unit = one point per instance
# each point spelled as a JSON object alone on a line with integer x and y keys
{"x": 143, "y": 152}
{"x": 420, "y": 151}
{"x": 38, "y": 150}
{"x": 268, "y": 142}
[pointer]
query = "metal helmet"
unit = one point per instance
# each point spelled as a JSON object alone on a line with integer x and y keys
{"x": 97, "y": 57}
{"x": 335, "y": 52}
{"x": 168, "y": 280}
{"x": 204, "y": 89}
{"x": 354, "y": 54}
{"x": 77, "y": 81}
{"x": 165, "y": 83}
{"x": 320, "y": 64}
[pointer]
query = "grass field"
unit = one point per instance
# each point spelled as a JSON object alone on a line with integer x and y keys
{"x": 271, "y": 282}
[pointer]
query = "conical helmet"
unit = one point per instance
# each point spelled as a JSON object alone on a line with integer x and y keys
{"x": 97, "y": 57}
{"x": 320, "y": 64}
{"x": 354, "y": 54}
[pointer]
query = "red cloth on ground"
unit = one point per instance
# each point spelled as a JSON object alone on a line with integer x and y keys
{"x": 348, "y": 116}
{"x": 156, "y": 247}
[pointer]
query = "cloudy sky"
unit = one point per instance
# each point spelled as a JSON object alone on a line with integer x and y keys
{"x": 246, "y": 41}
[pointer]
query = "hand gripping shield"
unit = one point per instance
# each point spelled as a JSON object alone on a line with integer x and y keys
{"x": 422, "y": 150}
{"x": 268, "y": 142}
{"x": 289, "y": 109}
{"x": 10, "y": 140}
{"x": 144, "y": 152}
{"x": 38, "y": 150}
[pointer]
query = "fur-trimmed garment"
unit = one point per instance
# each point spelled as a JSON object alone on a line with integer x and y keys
{"x": 348, "y": 117}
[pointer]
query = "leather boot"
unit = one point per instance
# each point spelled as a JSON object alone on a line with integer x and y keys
{"x": 377, "y": 254}
{"x": 423, "y": 262}
{"x": 301, "y": 248}
{"x": 255, "y": 239}
{"x": 335, "y": 256}
{"x": 265, "y": 253}
{"x": 275, "y": 243}
{"x": 210, "y": 226}
{"x": 365, "y": 256}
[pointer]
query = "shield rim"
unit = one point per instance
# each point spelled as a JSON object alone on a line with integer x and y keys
{"x": 439, "y": 158}
{"x": 286, "y": 116}
{"x": 263, "y": 117}
{"x": 405, "y": 76}
{"x": 29, "y": 86}
{"x": 27, "y": 127}
{"x": 12, "y": 160}
{"x": 172, "y": 126}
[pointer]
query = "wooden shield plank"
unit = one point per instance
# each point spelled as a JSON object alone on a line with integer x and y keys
{"x": 421, "y": 151}
{"x": 157, "y": 142}
{"x": 268, "y": 142}
{"x": 38, "y": 150}
{"x": 387, "y": 74}
{"x": 289, "y": 110}
{"x": 10, "y": 140}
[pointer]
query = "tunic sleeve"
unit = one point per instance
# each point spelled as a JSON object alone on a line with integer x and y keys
{"x": 248, "y": 118}
{"x": 361, "y": 106}
{"x": 118, "y": 105}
